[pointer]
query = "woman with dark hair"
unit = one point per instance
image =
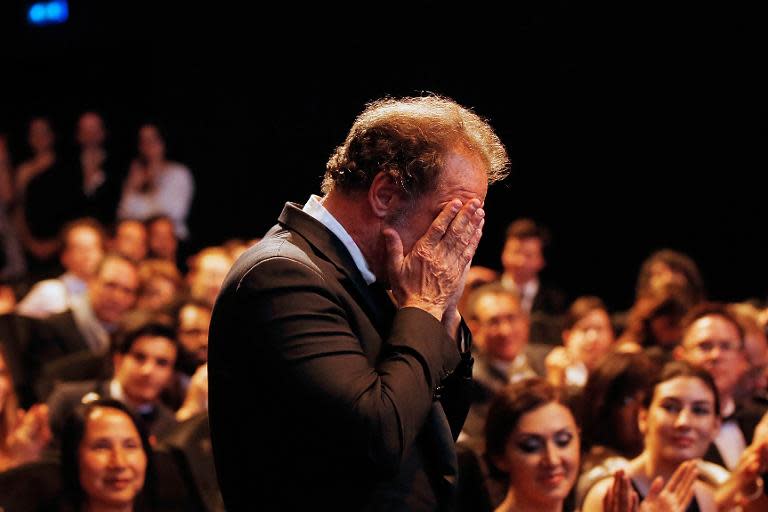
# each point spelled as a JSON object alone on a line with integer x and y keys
{"x": 532, "y": 437}
{"x": 105, "y": 459}
{"x": 155, "y": 185}
{"x": 587, "y": 337}
{"x": 613, "y": 396}
{"x": 654, "y": 323}
{"x": 679, "y": 419}
{"x": 667, "y": 267}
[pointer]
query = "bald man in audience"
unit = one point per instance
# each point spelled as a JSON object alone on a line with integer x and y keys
{"x": 207, "y": 270}
{"x": 714, "y": 339}
{"x": 500, "y": 327}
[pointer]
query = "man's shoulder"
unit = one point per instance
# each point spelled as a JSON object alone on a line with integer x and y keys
{"x": 280, "y": 249}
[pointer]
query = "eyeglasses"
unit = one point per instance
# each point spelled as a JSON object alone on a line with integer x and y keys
{"x": 725, "y": 346}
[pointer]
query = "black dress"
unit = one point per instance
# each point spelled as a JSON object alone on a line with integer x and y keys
{"x": 693, "y": 506}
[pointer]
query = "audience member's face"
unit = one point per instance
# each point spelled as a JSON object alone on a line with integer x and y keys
{"x": 40, "y": 135}
{"x": 83, "y": 251}
{"x": 713, "y": 343}
{"x": 681, "y": 420}
{"x": 523, "y": 258}
{"x": 156, "y": 293}
{"x": 206, "y": 282}
{"x": 463, "y": 177}
{"x": 162, "y": 240}
{"x": 542, "y": 455}
{"x": 151, "y": 144}
{"x": 90, "y": 130}
{"x": 590, "y": 338}
{"x": 6, "y": 387}
{"x": 113, "y": 291}
{"x": 146, "y": 368}
{"x": 112, "y": 459}
{"x": 193, "y": 331}
{"x": 131, "y": 240}
{"x": 501, "y": 326}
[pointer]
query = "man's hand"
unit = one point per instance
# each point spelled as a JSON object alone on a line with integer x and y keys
{"x": 431, "y": 276}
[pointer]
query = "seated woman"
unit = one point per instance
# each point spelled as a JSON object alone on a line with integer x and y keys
{"x": 23, "y": 435}
{"x": 678, "y": 420}
{"x": 608, "y": 413}
{"x": 533, "y": 439}
{"x": 587, "y": 337}
{"x": 155, "y": 185}
{"x": 105, "y": 459}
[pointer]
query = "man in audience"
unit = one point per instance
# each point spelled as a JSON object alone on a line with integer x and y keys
{"x": 143, "y": 357}
{"x": 100, "y": 184}
{"x": 130, "y": 240}
{"x": 523, "y": 260}
{"x": 714, "y": 340}
{"x": 207, "y": 270}
{"x": 193, "y": 318}
{"x": 163, "y": 243}
{"x": 500, "y": 327}
{"x": 82, "y": 251}
{"x": 91, "y": 319}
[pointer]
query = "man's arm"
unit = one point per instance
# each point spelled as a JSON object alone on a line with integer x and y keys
{"x": 379, "y": 409}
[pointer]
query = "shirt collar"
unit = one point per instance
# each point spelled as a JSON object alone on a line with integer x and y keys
{"x": 317, "y": 211}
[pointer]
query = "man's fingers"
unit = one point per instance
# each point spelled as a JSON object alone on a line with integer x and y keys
{"x": 474, "y": 241}
{"x": 440, "y": 225}
{"x": 462, "y": 229}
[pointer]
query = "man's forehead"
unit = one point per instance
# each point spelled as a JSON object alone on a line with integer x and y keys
{"x": 711, "y": 327}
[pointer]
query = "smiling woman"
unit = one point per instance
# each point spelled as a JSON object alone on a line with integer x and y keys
{"x": 533, "y": 438}
{"x": 678, "y": 421}
{"x": 105, "y": 458}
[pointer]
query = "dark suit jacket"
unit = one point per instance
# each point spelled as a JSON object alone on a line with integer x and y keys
{"x": 35, "y": 342}
{"x": 747, "y": 416}
{"x": 67, "y": 395}
{"x": 549, "y": 299}
{"x": 322, "y": 395}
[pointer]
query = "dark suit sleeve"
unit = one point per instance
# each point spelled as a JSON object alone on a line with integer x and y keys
{"x": 456, "y": 393}
{"x": 303, "y": 325}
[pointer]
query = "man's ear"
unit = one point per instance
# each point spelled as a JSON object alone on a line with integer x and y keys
{"x": 384, "y": 195}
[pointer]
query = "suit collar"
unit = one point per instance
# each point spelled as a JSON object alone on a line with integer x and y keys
{"x": 326, "y": 244}
{"x": 322, "y": 239}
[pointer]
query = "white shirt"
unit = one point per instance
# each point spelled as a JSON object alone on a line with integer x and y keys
{"x": 526, "y": 293}
{"x": 51, "y": 296}
{"x": 317, "y": 211}
{"x": 730, "y": 440}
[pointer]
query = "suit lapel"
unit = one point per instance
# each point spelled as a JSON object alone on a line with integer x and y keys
{"x": 373, "y": 298}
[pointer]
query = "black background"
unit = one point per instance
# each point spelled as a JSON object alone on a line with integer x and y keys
{"x": 630, "y": 128}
